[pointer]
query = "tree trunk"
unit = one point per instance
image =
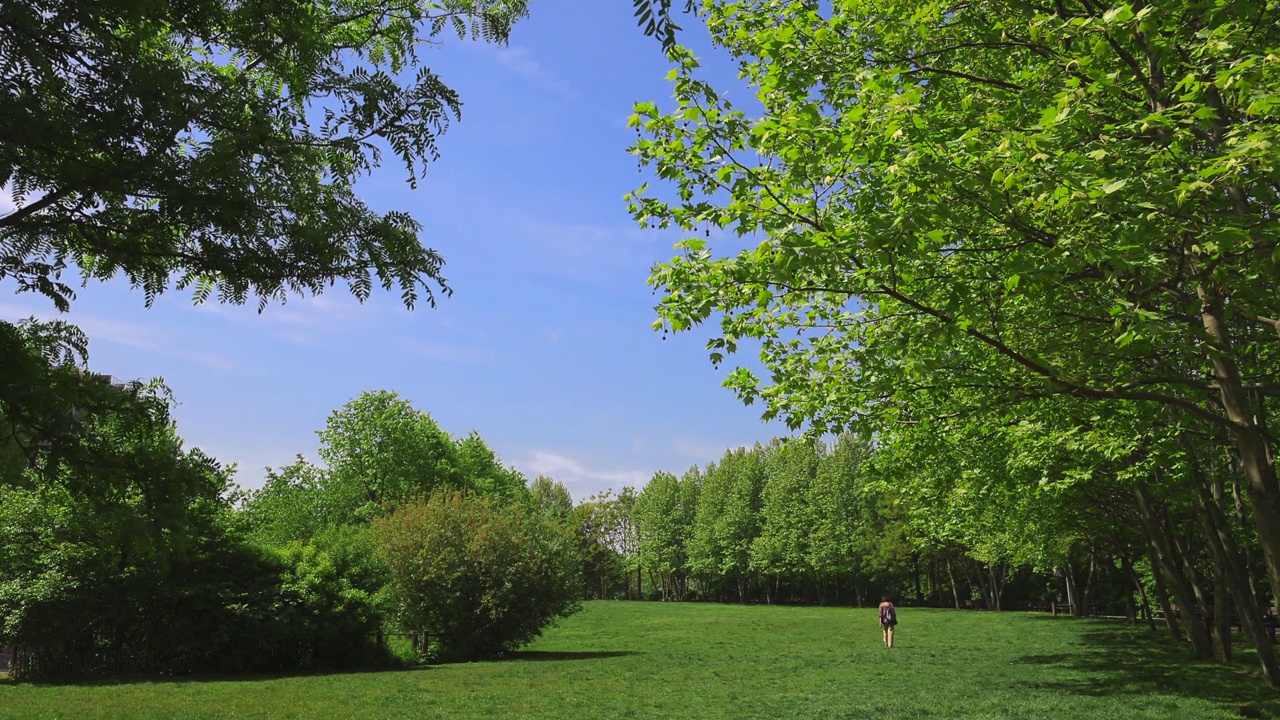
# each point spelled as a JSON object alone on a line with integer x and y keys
{"x": 1190, "y": 572}
{"x": 997, "y": 585}
{"x": 915, "y": 561}
{"x": 955, "y": 591}
{"x": 1162, "y": 592}
{"x": 1069, "y": 576}
{"x": 1221, "y": 614}
{"x": 1251, "y": 446}
{"x": 1250, "y": 561}
{"x": 1227, "y": 558}
{"x": 1196, "y": 632}
{"x": 981, "y": 587}
{"x": 1130, "y": 610}
{"x": 1127, "y": 566}
{"x": 1086, "y": 597}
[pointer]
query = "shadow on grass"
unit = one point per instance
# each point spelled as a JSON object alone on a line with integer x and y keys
{"x": 543, "y": 655}
{"x": 195, "y": 678}
{"x": 517, "y": 656}
{"x": 1121, "y": 660}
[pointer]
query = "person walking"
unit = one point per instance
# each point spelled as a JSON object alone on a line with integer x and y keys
{"x": 888, "y": 620}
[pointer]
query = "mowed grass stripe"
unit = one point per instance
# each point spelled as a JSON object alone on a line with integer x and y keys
{"x": 668, "y": 660}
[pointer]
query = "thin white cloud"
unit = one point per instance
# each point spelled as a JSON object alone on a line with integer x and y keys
{"x": 140, "y": 336}
{"x": 519, "y": 61}
{"x": 577, "y": 476}
{"x": 149, "y": 337}
{"x": 307, "y": 320}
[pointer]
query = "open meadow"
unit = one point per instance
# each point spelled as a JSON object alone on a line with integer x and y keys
{"x": 665, "y": 660}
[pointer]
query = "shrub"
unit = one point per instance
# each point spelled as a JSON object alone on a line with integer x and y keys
{"x": 218, "y": 605}
{"x": 484, "y": 575}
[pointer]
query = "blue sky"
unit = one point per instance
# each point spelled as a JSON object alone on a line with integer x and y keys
{"x": 545, "y": 347}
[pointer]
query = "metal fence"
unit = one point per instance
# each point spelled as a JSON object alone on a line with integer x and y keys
{"x": 94, "y": 658}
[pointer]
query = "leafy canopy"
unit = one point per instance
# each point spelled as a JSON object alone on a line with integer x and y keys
{"x": 215, "y": 144}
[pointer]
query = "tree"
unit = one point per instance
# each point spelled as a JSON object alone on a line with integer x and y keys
{"x": 380, "y": 450}
{"x": 728, "y": 520}
{"x": 216, "y": 144}
{"x": 838, "y": 516}
{"x": 487, "y": 576}
{"x": 786, "y": 519}
{"x": 481, "y": 469}
{"x": 663, "y": 520}
{"x": 603, "y": 567}
{"x": 45, "y": 391}
{"x": 551, "y": 497}
{"x": 996, "y": 204}
{"x": 290, "y": 506}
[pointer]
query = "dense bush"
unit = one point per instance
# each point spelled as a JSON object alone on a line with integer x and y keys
{"x": 484, "y": 574}
{"x": 78, "y": 608}
{"x": 120, "y": 552}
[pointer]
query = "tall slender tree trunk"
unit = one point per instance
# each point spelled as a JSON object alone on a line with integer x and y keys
{"x": 1086, "y": 597}
{"x": 1126, "y": 565}
{"x": 1221, "y": 614}
{"x": 955, "y": 591}
{"x": 1162, "y": 591}
{"x": 1073, "y": 598}
{"x": 981, "y": 587}
{"x": 1261, "y": 598}
{"x": 1189, "y": 570}
{"x": 1228, "y": 561}
{"x": 1250, "y": 443}
{"x": 997, "y": 584}
{"x": 1130, "y": 609}
{"x": 915, "y": 561}
{"x": 1196, "y": 632}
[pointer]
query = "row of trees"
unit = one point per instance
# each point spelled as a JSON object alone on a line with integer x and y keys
{"x": 1031, "y": 249}
{"x": 943, "y": 516}
{"x": 798, "y": 521}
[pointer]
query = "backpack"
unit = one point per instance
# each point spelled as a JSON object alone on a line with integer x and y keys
{"x": 888, "y": 615}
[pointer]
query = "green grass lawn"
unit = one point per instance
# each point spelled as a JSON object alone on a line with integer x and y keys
{"x": 655, "y": 660}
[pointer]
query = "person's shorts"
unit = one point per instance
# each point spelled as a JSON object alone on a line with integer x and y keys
{"x": 888, "y": 625}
